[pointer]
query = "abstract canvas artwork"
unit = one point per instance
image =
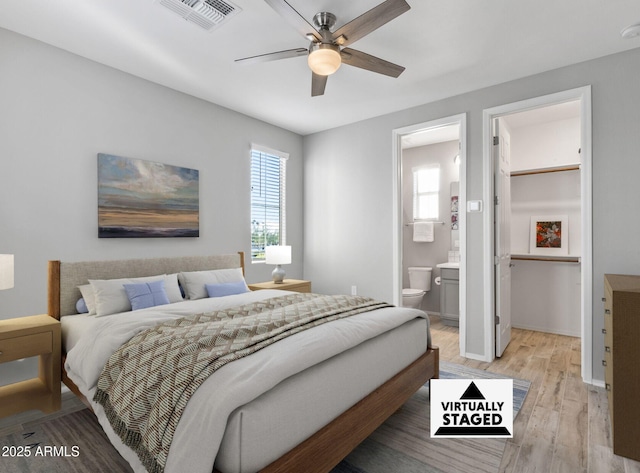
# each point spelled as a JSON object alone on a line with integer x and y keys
{"x": 145, "y": 199}
{"x": 549, "y": 235}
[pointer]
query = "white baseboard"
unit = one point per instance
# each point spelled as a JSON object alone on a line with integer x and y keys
{"x": 546, "y": 330}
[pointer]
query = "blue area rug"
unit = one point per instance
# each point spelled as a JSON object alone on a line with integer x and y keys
{"x": 403, "y": 444}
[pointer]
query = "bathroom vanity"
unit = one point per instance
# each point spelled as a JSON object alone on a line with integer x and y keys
{"x": 450, "y": 293}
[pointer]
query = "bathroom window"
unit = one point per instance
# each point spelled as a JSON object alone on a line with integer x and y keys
{"x": 426, "y": 192}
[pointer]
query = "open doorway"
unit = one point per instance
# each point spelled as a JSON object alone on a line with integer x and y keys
{"x": 547, "y": 184}
{"x": 419, "y": 149}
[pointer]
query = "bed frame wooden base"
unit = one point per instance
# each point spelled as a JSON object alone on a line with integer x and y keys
{"x": 327, "y": 447}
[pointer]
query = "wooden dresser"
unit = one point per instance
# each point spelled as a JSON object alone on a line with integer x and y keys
{"x": 622, "y": 361}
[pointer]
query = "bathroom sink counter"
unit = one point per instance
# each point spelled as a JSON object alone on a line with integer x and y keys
{"x": 453, "y": 265}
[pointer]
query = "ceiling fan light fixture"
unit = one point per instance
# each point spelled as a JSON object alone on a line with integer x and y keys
{"x": 325, "y": 60}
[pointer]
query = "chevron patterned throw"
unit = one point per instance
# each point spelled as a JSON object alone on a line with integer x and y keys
{"x": 147, "y": 383}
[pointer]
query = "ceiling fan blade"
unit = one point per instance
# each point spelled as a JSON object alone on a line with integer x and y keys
{"x": 294, "y": 18}
{"x": 288, "y": 53}
{"x": 318, "y": 83}
{"x": 370, "y": 21}
{"x": 370, "y": 63}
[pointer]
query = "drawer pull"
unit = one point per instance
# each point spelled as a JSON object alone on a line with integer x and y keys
{"x": 604, "y": 330}
{"x": 607, "y": 387}
{"x": 604, "y": 362}
{"x": 607, "y": 311}
{"x": 607, "y": 349}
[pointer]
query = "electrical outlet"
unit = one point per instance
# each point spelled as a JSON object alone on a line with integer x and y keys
{"x": 354, "y": 290}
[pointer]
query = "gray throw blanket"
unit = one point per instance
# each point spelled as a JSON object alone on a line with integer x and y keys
{"x": 147, "y": 383}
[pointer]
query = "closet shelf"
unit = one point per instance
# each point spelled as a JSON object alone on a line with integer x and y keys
{"x": 555, "y": 259}
{"x": 528, "y": 172}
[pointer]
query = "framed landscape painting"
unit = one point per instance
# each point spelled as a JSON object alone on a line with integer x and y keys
{"x": 144, "y": 199}
{"x": 549, "y": 235}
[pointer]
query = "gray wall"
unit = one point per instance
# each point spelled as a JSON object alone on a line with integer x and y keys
{"x": 59, "y": 110}
{"x": 348, "y": 241}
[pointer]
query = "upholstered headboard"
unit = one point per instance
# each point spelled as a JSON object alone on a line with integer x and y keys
{"x": 64, "y": 277}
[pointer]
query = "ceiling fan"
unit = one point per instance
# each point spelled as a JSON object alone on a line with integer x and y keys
{"x": 327, "y": 50}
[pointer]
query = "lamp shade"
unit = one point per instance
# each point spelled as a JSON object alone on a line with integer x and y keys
{"x": 278, "y": 254}
{"x": 6, "y": 271}
{"x": 325, "y": 60}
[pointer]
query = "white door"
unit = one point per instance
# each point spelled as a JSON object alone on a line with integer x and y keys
{"x": 501, "y": 154}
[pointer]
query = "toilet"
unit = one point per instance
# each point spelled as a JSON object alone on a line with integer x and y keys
{"x": 419, "y": 284}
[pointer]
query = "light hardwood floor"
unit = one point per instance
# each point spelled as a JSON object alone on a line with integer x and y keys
{"x": 563, "y": 426}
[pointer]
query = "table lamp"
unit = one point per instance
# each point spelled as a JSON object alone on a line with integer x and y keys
{"x": 278, "y": 255}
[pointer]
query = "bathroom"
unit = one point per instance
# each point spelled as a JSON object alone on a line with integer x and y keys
{"x": 430, "y": 190}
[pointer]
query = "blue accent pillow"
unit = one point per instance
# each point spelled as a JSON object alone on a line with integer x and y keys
{"x": 146, "y": 294}
{"x": 81, "y": 306}
{"x": 226, "y": 288}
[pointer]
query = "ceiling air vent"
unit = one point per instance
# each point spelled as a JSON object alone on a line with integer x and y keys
{"x": 207, "y": 14}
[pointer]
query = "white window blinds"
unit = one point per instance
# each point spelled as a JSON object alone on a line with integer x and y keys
{"x": 268, "y": 190}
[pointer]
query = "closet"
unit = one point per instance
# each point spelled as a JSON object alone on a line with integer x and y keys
{"x": 545, "y": 200}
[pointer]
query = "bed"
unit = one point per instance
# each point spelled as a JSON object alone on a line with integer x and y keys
{"x": 355, "y": 372}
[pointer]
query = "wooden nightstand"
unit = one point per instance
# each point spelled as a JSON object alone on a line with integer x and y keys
{"x": 37, "y": 335}
{"x": 296, "y": 285}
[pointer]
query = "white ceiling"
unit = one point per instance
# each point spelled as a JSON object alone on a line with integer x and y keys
{"x": 448, "y": 47}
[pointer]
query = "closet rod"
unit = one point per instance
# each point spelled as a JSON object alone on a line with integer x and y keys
{"x": 546, "y": 170}
{"x": 575, "y": 259}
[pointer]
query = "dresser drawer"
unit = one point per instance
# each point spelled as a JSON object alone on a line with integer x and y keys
{"x": 608, "y": 334}
{"x": 608, "y": 382}
{"x": 23, "y": 347}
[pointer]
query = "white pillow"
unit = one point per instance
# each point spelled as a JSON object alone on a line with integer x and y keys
{"x": 172, "y": 288}
{"x": 194, "y": 283}
{"x": 89, "y": 298}
{"x": 111, "y": 298}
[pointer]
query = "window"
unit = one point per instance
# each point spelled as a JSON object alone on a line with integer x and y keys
{"x": 267, "y": 200}
{"x": 426, "y": 189}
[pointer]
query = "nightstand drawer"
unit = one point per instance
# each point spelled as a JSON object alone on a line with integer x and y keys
{"x": 23, "y": 347}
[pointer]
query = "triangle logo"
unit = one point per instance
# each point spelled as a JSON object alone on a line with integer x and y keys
{"x": 472, "y": 392}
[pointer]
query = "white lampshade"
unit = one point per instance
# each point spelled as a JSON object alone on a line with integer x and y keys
{"x": 278, "y": 254}
{"x": 6, "y": 271}
{"x": 325, "y": 60}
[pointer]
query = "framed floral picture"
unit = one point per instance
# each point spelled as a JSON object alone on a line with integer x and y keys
{"x": 549, "y": 235}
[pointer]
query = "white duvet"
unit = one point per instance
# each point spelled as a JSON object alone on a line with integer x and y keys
{"x": 201, "y": 428}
